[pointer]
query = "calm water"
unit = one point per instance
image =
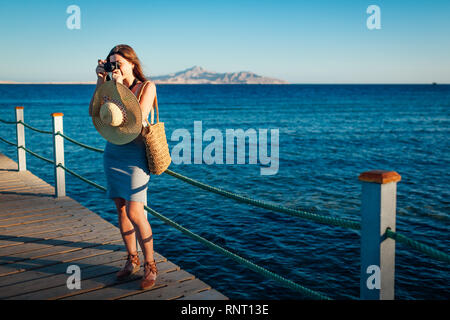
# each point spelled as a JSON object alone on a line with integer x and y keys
{"x": 328, "y": 135}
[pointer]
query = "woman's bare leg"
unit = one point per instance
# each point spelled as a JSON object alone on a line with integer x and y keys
{"x": 136, "y": 215}
{"x": 125, "y": 225}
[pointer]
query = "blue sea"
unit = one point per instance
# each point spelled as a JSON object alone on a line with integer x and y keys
{"x": 328, "y": 135}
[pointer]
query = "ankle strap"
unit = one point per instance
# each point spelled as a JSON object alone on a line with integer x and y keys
{"x": 147, "y": 239}
{"x": 151, "y": 265}
{"x": 128, "y": 232}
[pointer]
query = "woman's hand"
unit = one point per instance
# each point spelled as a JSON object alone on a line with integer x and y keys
{"x": 117, "y": 75}
{"x": 100, "y": 71}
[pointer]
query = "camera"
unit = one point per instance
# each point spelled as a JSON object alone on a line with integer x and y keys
{"x": 111, "y": 66}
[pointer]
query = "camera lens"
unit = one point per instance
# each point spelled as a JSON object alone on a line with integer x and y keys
{"x": 109, "y": 67}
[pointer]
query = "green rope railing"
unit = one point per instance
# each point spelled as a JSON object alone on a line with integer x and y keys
{"x": 434, "y": 253}
{"x": 8, "y": 142}
{"x": 78, "y": 143}
{"x": 35, "y": 129}
{"x": 287, "y": 283}
{"x": 37, "y": 155}
{"x": 81, "y": 177}
{"x": 8, "y": 122}
{"x": 258, "y": 203}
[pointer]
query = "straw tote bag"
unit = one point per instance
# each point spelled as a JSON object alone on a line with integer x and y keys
{"x": 154, "y": 137}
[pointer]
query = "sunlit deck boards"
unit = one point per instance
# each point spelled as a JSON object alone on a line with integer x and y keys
{"x": 40, "y": 236}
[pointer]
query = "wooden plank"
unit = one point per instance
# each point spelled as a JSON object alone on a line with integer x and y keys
{"x": 26, "y": 192}
{"x": 51, "y": 247}
{"x": 71, "y": 207}
{"x": 35, "y": 205}
{"x": 39, "y": 230}
{"x": 5, "y": 181}
{"x": 22, "y": 175}
{"x": 41, "y": 191}
{"x": 38, "y": 207}
{"x": 75, "y": 228}
{"x": 184, "y": 288}
{"x": 75, "y": 213}
{"x": 17, "y": 174}
{"x": 59, "y": 220}
{"x": 12, "y": 197}
{"x": 87, "y": 285}
{"x": 33, "y": 201}
{"x": 4, "y": 220}
{"x": 24, "y": 187}
{"x": 45, "y": 272}
{"x": 176, "y": 289}
{"x": 210, "y": 294}
{"x": 28, "y": 182}
{"x": 6, "y": 184}
{"x": 163, "y": 284}
{"x": 29, "y": 210}
{"x": 76, "y": 253}
{"x": 67, "y": 237}
{"x": 38, "y": 220}
{"x": 59, "y": 278}
{"x": 9, "y": 240}
{"x": 109, "y": 287}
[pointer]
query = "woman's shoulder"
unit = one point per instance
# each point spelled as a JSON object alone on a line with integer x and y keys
{"x": 146, "y": 81}
{"x": 147, "y": 84}
{"x": 150, "y": 85}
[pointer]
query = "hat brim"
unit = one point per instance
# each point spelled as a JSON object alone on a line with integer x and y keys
{"x": 128, "y": 131}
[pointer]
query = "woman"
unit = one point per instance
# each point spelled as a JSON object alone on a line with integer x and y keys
{"x": 126, "y": 168}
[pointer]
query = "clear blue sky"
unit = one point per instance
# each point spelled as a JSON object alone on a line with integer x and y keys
{"x": 322, "y": 41}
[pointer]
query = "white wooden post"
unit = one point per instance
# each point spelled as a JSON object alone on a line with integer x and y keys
{"x": 379, "y": 192}
{"x": 20, "y": 130}
{"x": 58, "y": 155}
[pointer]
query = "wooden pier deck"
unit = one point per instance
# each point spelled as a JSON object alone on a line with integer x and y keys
{"x": 40, "y": 236}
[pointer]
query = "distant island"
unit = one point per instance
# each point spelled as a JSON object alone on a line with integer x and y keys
{"x": 193, "y": 75}
{"x": 198, "y": 75}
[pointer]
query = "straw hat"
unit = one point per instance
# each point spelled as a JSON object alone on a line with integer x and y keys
{"x": 116, "y": 113}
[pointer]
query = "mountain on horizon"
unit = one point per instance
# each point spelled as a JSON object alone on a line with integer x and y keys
{"x": 199, "y": 75}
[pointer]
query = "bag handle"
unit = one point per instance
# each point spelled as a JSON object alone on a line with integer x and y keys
{"x": 156, "y": 101}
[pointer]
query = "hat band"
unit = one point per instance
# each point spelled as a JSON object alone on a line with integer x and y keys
{"x": 121, "y": 107}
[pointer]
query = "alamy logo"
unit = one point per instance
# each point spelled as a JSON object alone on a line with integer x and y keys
{"x": 74, "y": 20}
{"x": 374, "y": 21}
{"x": 213, "y": 153}
{"x": 373, "y": 281}
{"x": 73, "y": 281}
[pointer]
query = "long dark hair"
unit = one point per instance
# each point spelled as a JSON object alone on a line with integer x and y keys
{"x": 128, "y": 53}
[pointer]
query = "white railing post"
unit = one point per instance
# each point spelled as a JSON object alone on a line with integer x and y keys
{"x": 379, "y": 193}
{"x": 58, "y": 155}
{"x": 20, "y": 130}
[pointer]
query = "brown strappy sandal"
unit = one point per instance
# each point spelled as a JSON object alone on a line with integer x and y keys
{"x": 132, "y": 265}
{"x": 150, "y": 271}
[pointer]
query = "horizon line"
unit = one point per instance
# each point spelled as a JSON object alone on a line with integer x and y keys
{"x": 278, "y": 84}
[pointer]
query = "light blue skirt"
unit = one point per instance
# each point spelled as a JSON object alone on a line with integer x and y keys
{"x": 126, "y": 170}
